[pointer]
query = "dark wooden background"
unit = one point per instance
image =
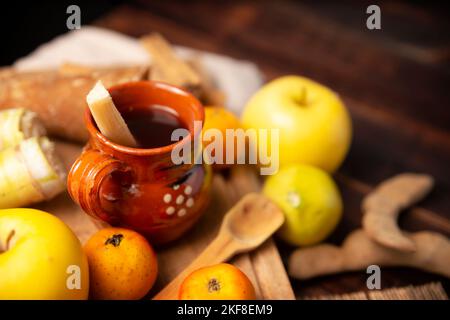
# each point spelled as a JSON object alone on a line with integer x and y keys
{"x": 395, "y": 82}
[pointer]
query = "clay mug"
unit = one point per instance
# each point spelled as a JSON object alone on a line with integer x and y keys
{"x": 142, "y": 189}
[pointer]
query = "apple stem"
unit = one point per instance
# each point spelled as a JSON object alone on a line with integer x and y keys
{"x": 303, "y": 98}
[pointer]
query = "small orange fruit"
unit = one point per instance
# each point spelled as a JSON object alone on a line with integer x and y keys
{"x": 122, "y": 265}
{"x": 221, "y": 119}
{"x": 218, "y": 282}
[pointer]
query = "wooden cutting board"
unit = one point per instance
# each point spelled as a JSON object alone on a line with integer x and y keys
{"x": 263, "y": 266}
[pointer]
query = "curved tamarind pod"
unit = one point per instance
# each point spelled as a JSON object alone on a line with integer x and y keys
{"x": 385, "y": 231}
{"x": 383, "y": 205}
{"x": 359, "y": 251}
{"x": 322, "y": 259}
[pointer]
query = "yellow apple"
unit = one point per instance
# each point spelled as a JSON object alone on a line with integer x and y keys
{"x": 40, "y": 257}
{"x": 314, "y": 125}
{"x": 310, "y": 200}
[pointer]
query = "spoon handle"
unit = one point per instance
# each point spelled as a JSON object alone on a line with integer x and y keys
{"x": 219, "y": 250}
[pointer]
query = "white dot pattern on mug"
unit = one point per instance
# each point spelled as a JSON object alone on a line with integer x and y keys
{"x": 188, "y": 190}
{"x": 179, "y": 201}
{"x": 190, "y": 202}
{"x": 167, "y": 198}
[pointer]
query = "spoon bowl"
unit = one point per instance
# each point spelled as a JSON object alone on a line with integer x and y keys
{"x": 252, "y": 219}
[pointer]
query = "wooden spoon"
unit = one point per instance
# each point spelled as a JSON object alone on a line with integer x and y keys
{"x": 246, "y": 226}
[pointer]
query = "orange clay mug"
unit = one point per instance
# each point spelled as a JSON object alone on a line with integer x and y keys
{"x": 142, "y": 189}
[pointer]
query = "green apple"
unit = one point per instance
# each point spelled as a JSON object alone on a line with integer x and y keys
{"x": 310, "y": 201}
{"x": 40, "y": 257}
{"x": 315, "y": 127}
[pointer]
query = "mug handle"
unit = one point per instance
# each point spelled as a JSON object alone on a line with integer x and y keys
{"x": 88, "y": 177}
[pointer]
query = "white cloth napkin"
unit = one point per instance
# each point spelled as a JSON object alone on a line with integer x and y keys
{"x": 102, "y": 47}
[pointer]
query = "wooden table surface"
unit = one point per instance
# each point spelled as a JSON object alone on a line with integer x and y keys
{"x": 395, "y": 82}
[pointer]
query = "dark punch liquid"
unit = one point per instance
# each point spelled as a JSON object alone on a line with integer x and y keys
{"x": 152, "y": 127}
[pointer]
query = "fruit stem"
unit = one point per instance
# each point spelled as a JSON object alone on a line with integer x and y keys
{"x": 213, "y": 285}
{"x": 302, "y": 99}
{"x": 115, "y": 240}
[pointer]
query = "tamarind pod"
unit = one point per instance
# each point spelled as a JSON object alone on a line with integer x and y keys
{"x": 359, "y": 251}
{"x": 383, "y": 205}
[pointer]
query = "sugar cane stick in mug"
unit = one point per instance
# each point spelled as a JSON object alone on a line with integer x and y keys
{"x": 107, "y": 117}
{"x": 18, "y": 124}
{"x": 29, "y": 173}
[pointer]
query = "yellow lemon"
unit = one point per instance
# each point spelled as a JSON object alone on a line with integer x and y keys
{"x": 310, "y": 201}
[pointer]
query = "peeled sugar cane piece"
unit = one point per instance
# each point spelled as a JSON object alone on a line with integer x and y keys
{"x": 18, "y": 124}
{"x": 29, "y": 173}
{"x": 108, "y": 119}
